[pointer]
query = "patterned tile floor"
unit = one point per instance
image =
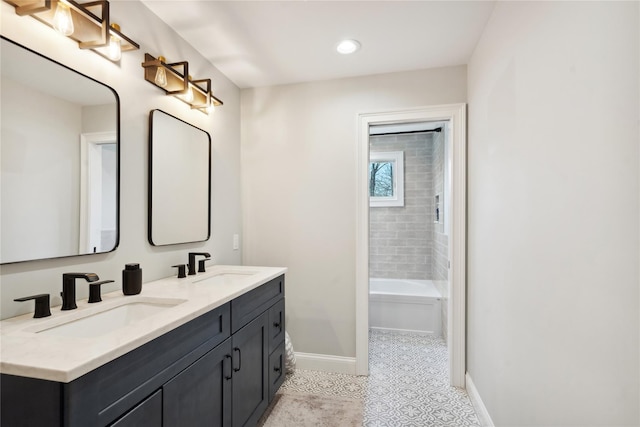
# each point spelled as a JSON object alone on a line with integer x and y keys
{"x": 408, "y": 384}
{"x": 325, "y": 383}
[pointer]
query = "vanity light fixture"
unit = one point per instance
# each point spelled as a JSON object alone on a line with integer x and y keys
{"x": 174, "y": 79}
{"x": 86, "y": 23}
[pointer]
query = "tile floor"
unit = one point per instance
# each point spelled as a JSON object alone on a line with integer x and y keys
{"x": 408, "y": 384}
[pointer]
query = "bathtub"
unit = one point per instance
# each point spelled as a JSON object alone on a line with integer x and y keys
{"x": 407, "y": 305}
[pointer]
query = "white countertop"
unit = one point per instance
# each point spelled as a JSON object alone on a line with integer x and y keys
{"x": 26, "y": 351}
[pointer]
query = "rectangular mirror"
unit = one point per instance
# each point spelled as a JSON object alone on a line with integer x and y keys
{"x": 179, "y": 181}
{"x": 59, "y": 160}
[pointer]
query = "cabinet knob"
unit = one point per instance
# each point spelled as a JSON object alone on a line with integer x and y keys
{"x": 276, "y": 324}
{"x": 276, "y": 369}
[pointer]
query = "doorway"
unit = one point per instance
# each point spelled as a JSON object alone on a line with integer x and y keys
{"x": 98, "y": 192}
{"x": 455, "y": 116}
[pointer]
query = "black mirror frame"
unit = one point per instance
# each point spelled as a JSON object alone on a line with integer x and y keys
{"x": 118, "y": 163}
{"x": 150, "y": 182}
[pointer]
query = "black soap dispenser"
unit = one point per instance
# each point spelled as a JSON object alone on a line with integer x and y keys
{"x": 131, "y": 279}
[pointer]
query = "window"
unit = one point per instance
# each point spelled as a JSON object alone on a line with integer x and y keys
{"x": 386, "y": 179}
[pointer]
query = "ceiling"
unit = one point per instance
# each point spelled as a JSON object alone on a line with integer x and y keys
{"x": 265, "y": 43}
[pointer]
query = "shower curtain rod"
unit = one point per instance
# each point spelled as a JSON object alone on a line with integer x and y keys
{"x": 406, "y": 132}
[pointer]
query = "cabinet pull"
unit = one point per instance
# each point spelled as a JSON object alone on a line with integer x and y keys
{"x": 230, "y": 375}
{"x": 276, "y": 369}
{"x": 239, "y": 359}
{"x": 276, "y": 324}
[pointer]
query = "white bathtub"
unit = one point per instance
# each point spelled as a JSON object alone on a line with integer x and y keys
{"x": 408, "y": 305}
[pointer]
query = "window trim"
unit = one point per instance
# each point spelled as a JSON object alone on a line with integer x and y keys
{"x": 397, "y": 158}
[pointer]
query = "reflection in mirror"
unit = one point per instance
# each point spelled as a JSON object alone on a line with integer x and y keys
{"x": 59, "y": 160}
{"x": 179, "y": 181}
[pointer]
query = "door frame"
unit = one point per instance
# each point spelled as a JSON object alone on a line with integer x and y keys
{"x": 456, "y": 114}
{"x": 91, "y": 186}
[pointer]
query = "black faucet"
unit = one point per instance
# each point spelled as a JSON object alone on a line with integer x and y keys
{"x": 181, "y": 270}
{"x": 42, "y": 305}
{"x": 192, "y": 260}
{"x": 94, "y": 291}
{"x": 69, "y": 288}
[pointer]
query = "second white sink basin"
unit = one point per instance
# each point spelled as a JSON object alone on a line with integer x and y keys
{"x": 104, "y": 322}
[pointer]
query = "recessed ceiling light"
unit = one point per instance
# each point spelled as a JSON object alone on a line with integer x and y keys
{"x": 346, "y": 47}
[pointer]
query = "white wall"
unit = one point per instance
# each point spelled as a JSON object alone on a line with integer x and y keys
{"x": 553, "y": 210}
{"x": 299, "y": 184}
{"x": 40, "y": 159}
{"x": 137, "y": 98}
{"x": 98, "y": 118}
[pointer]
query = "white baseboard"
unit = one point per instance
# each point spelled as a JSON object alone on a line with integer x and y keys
{"x": 481, "y": 410}
{"x": 326, "y": 363}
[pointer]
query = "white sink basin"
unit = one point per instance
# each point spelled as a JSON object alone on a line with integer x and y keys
{"x": 225, "y": 278}
{"x": 106, "y": 321}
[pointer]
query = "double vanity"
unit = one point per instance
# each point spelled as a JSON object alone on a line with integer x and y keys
{"x": 203, "y": 350}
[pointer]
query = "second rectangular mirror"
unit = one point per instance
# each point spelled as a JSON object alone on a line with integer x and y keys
{"x": 179, "y": 181}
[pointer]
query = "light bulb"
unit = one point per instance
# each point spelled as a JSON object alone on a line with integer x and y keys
{"x": 210, "y": 108}
{"x": 161, "y": 74}
{"x": 189, "y": 95}
{"x": 114, "y": 50}
{"x": 62, "y": 20}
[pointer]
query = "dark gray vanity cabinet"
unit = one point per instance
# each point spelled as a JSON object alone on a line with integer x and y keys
{"x": 212, "y": 371}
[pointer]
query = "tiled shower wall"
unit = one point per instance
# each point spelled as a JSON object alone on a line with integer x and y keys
{"x": 404, "y": 242}
{"x": 440, "y": 239}
{"x": 401, "y": 238}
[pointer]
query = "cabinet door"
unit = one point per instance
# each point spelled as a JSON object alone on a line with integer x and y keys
{"x": 250, "y": 377}
{"x": 201, "y": 394}
{"x": 146, "y": 414}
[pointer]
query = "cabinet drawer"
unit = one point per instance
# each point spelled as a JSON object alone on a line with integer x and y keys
{"x": 247, "y": 307}
{"x": 276, "y": 325}
{"x": 276, "y": 370}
